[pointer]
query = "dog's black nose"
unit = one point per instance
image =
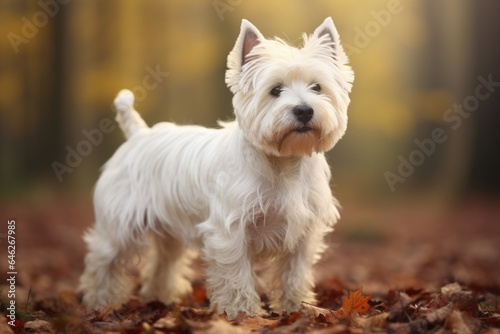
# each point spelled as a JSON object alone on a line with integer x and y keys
{"x": 303, "y": 112}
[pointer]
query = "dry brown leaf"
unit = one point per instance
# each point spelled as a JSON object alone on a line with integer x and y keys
{"x": 199, "y": 294}
{"x": 39, "y": 326}
{"x": 313, "y": 311}
{"x": 253, "y": 323}
{"x": 377, "y": 321}
{"x": 356, "y": 303}
{"x": 450, "y": 289}
{"x": 456, "y": 323}
{"x": 167, "y": 323}
{"x": 399, "y": 328}
{"x": 4, "y": 326}
{"x": 218, "y": 326}
{"x": 285, "y": 327}
{"x": 440, "y": 314}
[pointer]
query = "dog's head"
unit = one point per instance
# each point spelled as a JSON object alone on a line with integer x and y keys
{"x": 290, "y": 101}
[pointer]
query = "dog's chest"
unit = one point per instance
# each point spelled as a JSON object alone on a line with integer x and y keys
{"x": 267, "y": 232}
{"x": 274, "y": 231}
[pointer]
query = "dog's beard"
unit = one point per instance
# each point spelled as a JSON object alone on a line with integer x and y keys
{"x": 284, "y": 137}
{"x": 298, "y": 142}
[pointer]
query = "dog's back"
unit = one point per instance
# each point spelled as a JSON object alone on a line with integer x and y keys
{"x": 162, "y": 157}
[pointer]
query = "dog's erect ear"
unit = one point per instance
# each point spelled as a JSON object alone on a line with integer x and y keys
{"x": 327, "y": 28}
{"x": 249, "y": 37}
{"x": 328, "y": 37}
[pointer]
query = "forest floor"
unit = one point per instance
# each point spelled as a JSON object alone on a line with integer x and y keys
{"x": 421, "y": 268}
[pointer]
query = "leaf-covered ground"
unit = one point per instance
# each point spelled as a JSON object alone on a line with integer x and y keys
{"x": 398, "y": 269}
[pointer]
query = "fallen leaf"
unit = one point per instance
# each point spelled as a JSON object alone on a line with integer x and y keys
{"x": 217, "y": 326}
{"x": 356, "y": 303}
{"x": 4, "y": 327}
{"x": 318, "y": 313}
{"x": 255, "y": 323}
{"x": 400, "y": 328}
{"x": 283, "y": 327}
{"x": 168, "y": 324}
{"x": 313, "y": 311}
{"x": 377, "y": 321}
{"x": 450, "y": 289}
{"x": 455, "y": 322}
{"x": 39, "y": 326}
{"x": 440, "y": 314}
{"x": 200, "y": 295}
{"x": 400, "y": 302}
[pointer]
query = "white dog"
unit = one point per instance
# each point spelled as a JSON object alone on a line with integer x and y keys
{"x": 257, "y": 188}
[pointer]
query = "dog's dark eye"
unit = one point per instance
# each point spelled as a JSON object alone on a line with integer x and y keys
{"x": 276, "y": 91}
{"x": 316, "y": 88}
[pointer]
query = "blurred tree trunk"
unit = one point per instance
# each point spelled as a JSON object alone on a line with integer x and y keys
{"x": 443, "y": 78}
{"x": 44, "y": 95}
{"x": 462, "y": 47}
{"x": 484, "y": 173}
{"x": 31, "y": 121}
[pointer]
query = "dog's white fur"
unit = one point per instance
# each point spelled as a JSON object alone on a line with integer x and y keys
{"x": 257, "y": 188}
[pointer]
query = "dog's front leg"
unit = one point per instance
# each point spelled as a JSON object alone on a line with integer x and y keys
{"x": 230, "y": 278}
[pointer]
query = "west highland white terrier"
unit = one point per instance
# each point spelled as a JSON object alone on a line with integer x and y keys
{"x": 254, "y": 189}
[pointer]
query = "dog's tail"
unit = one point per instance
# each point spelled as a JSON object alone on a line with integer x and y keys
{"x": 127, "y": 117}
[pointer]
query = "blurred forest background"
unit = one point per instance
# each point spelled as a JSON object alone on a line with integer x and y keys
{"x": 63, "y": 61}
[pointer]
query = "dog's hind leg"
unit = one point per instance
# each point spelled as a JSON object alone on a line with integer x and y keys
{"x": 106, "y": 279}
{"x": 166, "y": 275}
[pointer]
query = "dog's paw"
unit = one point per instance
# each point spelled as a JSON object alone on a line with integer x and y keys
{"x": 232, "y": 313}
{"x": 288, "y": 306}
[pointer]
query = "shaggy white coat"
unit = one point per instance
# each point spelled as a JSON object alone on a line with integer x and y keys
{"x": 257, "y": 188}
